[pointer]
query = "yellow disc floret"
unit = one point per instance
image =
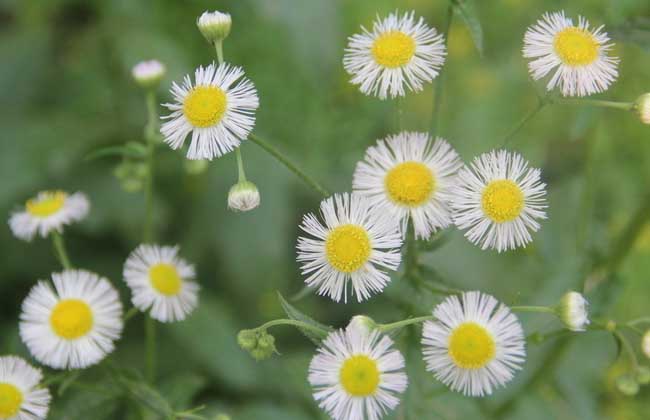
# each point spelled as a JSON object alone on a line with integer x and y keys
{"x": 393, "y": 49}
{"x": 359, "y": 376}
{"x": 576, "y": 47}
{"x": 348, "y": 248}
{"x": 410, "y": 184}
{"x": 165, "y": 279}
{"x": 471, "y": 346}
{"x": 502, "y": 200}
{"x": 46, "y": 204}
{"x": 10, "y": 400}
{"x": 204, "y": 106}
{"x": 71, "y": 319}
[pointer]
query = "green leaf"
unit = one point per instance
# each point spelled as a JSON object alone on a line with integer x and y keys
{"x": 467, "y": 11}
{"x": 131, "y": 149}
{"x": 635, "y": 31}
{"x": 180, "y": 390}
{"x": 295, "y": 314}
{"x": 146, "y": 396}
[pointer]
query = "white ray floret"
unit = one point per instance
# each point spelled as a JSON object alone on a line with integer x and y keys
{"x": 354, "y": 244}
{"x": 499, "y": 200}
{"x": 356, "y": 374}
{"x": 474, "y": 345}
{"x": 399, "y": 53}
{"x": 161, "y": 282}
{"x": 410, "y": 176}
{"x": 217, "y": 110}
{"x": 576, "y": 55}
{"x": 48, "y": 211}
{"x": 21, "y": 396}
{"x": 73, "y": 325}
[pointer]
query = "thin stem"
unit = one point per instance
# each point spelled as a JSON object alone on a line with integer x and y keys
{"x": 218, "y": 46}
{"x": 399, "y": 324}
{"x": 540, "y": 104}
{"x": 542, "y": 309}
{"x": 292, "y": 322}
{"x": 628, "y": 348}
{"x": 626, "y": 106}
{"x": 437, "y": 91}
{"x": 399, "y": 105}
{"x": 411, "y": 254}
{"x": 240, "y": 166}
{"x": 637, "y": 321}
{"x": 148, "y": 188}
{"x": 59, "y": 250}
{"x": 150, "y": 348}
{"x": 290, "y": 165}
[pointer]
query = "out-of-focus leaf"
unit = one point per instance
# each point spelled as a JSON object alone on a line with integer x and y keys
{"x": 467, "y": 11}
{"x": 435, "y": 242}
{"x": 146, "y": 396}
{"x": 96, "y": 404}
{"x": 294, "y": 313}
{"x": 131, "y": 149}
{"x": 635, "y": 31}
{"x": 180, "y": 390}
{"x": 67, "y": 381}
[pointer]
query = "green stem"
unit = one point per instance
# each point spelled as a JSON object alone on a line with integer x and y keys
{"x": 437, "y": 91}
{"x": 150, "y": 348}
{"x": 400, "y": 324}
{"x": 399, "y": 105}
{"x": 292, "y": 322}
{"x": 637, "y": 321}
{"x": 628, "y": 348}
{"x": 411, "y": 252}
{"x": 59, "y": 250}
{"x": 542, "y": 309}
{"x": 218, "y": 46}
{"x": 130, "y": 314}
{"x": 290, "y": 165}
{"x": 240, "y": 166}
{"x": 541, "y": 103}
{"x": 150, "y": 138}
{"x": 626, "y": 106}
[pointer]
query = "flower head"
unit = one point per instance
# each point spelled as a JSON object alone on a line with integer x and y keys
{"x": 148, "y": 74}
{"x": 218, "y": 109}
{"x": 578, "y": 55}
{"x": 215, "y": 26}
{"x": 48, "y": 211}
{"x": 75, "y": 325}
{"x": 642, "y": 107}
{"x": 161, "y": 282}
{"x": 352, "y": 246}
{"x": 410, "y": 176}
{"x": 21, "y": 397}
{"x": 474, "y": 345}
{"x": 357, "y": 375}
{"x": 243, "y": 196}
{"x": 573, "y": 311}
{"x": 398, "y": 53}
{"x": 499, "y": 200}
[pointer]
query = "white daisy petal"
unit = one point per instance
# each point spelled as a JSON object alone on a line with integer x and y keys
{"x": 409, "y": 176}
{"x": 576, "y": 55}
{"x": 218, "y": 110}
{"x": 356, "y": 374}
{"x": 48, "y": 211}
{"x": 353, "y": 245}
{"x": 161, "y": 282}
{"x": 474, "y": 345}
{"x": 399, "y": 53}
{"x": 21, "y": 397}
{"x": 73, "y": 325}
{"x": 499, "y": 200}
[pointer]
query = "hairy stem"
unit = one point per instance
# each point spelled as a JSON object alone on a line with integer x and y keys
{"x": 292, "y": 322}
{"x": 626, "y": 106}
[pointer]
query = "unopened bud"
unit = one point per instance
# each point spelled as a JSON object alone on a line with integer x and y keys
{"x": 243, "y": 196}
{"x": 627, "y": 384}
{"x": 148, "y": 74}
{"x": 572, "y": 310}
{"x": 215, "y": 26}
{"x": 642, "y": 108}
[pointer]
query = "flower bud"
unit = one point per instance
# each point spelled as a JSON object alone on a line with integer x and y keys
{"x": 243, "y": 196}
{"x": 642, "y": 108}
{"x": 260, "y": 344}
{"x": 572, "y": 311}
{"x": 642, "y": 375}
{"x": 131, "y": 175}
{"x": 148, "y": 74}
{"x": 627, "y": 385}
{"x": 645, "y": 344}
{"x": 247, "y": 339}
{"x": 362, "y": 323}
{"x": 215, "y": 26}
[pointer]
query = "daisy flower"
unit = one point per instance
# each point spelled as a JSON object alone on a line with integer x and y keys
{"x": 218, "y": 109}
{"x": 499, "y": 200}
{"x": 48, "y": 211}
{"x": 356, "y": 374}
{"x": 161, "y": 282}
{"x": 474, "y": 345}
{"x": 410, "y": 176}
{"x": 577, "y": 56}
{"x": 352, "y": 245}
{"x": 21, "y": 398}
{"x": 74, "y": 325}
{"x": 398, "y": 53}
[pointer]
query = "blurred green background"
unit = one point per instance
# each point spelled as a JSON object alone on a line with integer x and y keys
{"x": 66, "y": 90}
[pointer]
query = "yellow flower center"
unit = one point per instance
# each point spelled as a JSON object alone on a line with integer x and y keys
{"x": 71, "y": 318}
{"x": 410, "y": 184}
{"x": 393, "y": 49}
{"x": 359, "y": 376}
{"x": 348, "y": 248}
{"x": 10, "y": 400}
{"x": 576, "y": 47}
{"x": 205, "y": 105}
{"x": 165, "y": 279}
{"x": 502, "y": 200}
{"x": 471, "y": 346}
{"x": 49, "y": 203}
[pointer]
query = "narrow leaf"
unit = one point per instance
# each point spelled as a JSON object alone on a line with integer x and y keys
{"x": 146, "y": 396}
{"x": 295, "y": 314}
{"x": 467, "y": 11}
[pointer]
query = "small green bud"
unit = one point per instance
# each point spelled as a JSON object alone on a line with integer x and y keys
{"x": 131, "y": 175}
{"x": 266, "y": 341}
{"x": 642, "y": 108}
{"x": 643, "y": 375}
{"x": 247, "y": 339}
{"x": 572, "y": 311}
{"x": 243, "y": 196}
{"x": 627, "y": 385}
{"x": 148, "y": 74}
{"x": 215, "y": 26}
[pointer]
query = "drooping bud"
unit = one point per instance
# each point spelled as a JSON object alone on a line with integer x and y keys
{"x": 260, "y": 344}
{"x": 627, "y": 384}
{"x": 642, "y": 108}
{"x": 247, "y": 339}
{"x": 243, "y": 196}
{"x": 215, "y": 26}
{"x": 572, "y": 311}
{"x": 148, "y": 74}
